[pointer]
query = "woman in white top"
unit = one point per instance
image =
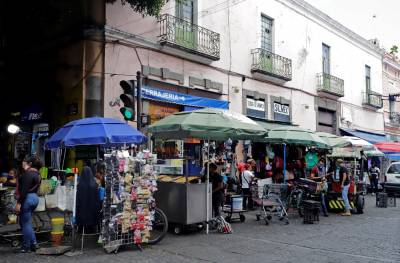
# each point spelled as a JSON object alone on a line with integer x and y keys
{"x": 247, "y": 178}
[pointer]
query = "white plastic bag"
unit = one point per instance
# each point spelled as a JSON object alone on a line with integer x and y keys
{"x": 61, "y": 198}
{"x": 51, "y": 201}
{"x": 69, "y": 198}
{"x": 42, "y": 205}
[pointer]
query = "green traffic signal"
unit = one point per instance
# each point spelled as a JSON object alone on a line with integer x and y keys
{"x": 127, "y": 113}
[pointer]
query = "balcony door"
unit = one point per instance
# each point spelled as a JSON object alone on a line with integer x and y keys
{"x": 326, "y": 66}
{"x": 266, "y": 58}
{"x": 185, "y": 33}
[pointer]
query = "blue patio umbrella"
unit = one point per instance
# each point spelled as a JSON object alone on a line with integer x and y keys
{"x": 95, "y": 131}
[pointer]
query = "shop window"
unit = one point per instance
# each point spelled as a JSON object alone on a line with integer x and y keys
{"x": 255, "y": 108}
{"x": 281, "y": 112}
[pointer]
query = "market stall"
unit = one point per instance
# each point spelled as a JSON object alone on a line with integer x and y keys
{"x": 357, "y": 156}
{"x": 104, "y": 133}
{"x": 190, "y": 203}
{"x": 299, "y": 139}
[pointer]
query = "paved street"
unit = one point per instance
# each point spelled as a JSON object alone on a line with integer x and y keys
{"x": 372, "y": 237}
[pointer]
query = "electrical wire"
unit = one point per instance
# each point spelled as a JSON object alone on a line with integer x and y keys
{"x": 205, "y": 10}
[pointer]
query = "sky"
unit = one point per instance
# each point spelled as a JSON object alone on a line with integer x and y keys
{"x": 368, "y": 18}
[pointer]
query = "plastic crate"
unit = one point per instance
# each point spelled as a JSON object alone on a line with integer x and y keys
{"x": 382, "y": 200}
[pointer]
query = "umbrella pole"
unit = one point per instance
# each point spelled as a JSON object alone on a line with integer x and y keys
{"x": 284, "y": 162}
{"x": 207, "y": 187}
{"x": 74, "y": 210}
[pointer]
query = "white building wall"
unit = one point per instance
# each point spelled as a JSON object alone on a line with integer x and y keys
{"x": 298, "y": 35}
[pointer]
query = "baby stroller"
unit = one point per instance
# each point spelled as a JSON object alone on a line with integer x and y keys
{"x": 271, "y": 199}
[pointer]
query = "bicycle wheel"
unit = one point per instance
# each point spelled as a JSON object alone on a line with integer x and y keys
{"x": 160, "y": 227}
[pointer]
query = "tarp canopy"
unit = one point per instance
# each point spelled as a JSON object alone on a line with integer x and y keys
{"x": 367, "y": 136}
{"x": 354, "y": 149}
{"x": 273, "y": 125}
{"x": 208, "y": 123}
{"x": 388, "y": 147}
{"x": 296, "y": 136}
{"x": 95, "y": 131}
{"x": 333, "y": 140}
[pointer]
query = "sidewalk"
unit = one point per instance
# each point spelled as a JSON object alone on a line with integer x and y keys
{"x": 371, "y": 237}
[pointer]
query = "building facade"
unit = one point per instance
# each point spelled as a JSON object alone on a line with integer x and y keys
{"x": 391, "y": 92}
{"x": 278, "y": 60}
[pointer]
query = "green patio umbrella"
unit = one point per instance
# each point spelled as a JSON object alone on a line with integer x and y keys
{"x": 208, "y": 124}
{"x": 333, "y": 140}
{"x": 297, "y": 136}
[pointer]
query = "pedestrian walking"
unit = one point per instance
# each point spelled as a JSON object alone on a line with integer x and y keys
{"x": 374, "y": 172}
{"x": 28, "y": 200}
{"x": 344, "y": 180}
{"x": 247, "y": 179}
{"x": 217, "y": 189}
{"x": 318, "y": 173}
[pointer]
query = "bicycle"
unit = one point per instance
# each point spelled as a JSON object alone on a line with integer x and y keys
{"x": 160, "y": 227}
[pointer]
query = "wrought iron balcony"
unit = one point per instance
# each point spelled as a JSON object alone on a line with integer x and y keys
{"x": 330, "y": 84}
{"x": 271, "y": 64}
{"x": 394, "y": 118}
{"x": 372, "y": 99}
{"x": 192, "y": 38}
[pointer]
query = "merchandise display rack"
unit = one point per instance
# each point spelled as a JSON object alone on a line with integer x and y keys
{"x": 129, "y": 206}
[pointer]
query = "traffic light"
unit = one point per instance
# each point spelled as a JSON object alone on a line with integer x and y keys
{"x": 128, "y": 98}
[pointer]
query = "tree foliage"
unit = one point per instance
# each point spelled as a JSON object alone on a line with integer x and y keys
{"x": 145, "y": 7}
{"x": 394, "y": 50}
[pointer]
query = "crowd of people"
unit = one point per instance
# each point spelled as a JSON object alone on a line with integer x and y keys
{"x": 245, "y": 178}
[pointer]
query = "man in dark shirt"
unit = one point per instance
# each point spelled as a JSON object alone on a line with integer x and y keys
{"x": 217, "y": 189}
{"x": 345, "y": 184}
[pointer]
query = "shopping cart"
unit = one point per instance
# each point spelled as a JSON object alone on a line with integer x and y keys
{"x": 271, "y": 199}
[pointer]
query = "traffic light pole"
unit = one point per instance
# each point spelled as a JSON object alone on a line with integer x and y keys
{"x": 139, "y": 100}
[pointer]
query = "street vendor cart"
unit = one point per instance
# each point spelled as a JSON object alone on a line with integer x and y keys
{"x": 190, "y": 203}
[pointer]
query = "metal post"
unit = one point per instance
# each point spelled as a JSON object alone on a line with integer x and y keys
{"x": 284, "y": 162}
{"x": 139, "y": 100}
{"x": 207, "y": 187}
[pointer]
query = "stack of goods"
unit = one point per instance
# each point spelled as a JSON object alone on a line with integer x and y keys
{"x": 57, "y": 230}
{"x": 311, "y": 211}
{"x": 382, "y": 200}
{"x": 128, "y": 203}
{"x": 179, "y": 179}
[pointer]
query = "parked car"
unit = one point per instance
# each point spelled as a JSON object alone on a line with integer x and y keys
{"x": 392, "y": 178}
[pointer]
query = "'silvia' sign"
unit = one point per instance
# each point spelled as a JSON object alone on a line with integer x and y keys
{"x": 281, "y": 108}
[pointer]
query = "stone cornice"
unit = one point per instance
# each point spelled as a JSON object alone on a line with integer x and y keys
{"x": 391, "y": 63}
{"x": 311, "y": 11}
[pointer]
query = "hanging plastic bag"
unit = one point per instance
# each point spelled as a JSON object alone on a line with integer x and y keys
{"x": 51, "y": 201}
{"x": 41, "y": 205}
{"x": 61, "y": 198}
{"x": 69, "y": 198}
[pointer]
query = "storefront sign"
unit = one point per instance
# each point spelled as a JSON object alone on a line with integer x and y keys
{"x": 281, "y": 112}
{"x": 157, "y": 110}
{"x": 281, "y": 109}
{"x": 255, "y": 108}
{"x": 32, "y": 114}
{"x": 181, "y": 99}
{"x": 255, "y": 104}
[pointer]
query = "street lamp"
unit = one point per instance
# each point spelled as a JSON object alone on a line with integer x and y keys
{"x": 13, "y": 129}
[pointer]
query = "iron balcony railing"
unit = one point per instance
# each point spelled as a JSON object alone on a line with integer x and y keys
{"x": 330, "y": 84}
{"x": 271, "y": 64}
{"x": 188, "y": 36}
{"x": 394, "y": 118}
{"x": 372, "y": 99}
